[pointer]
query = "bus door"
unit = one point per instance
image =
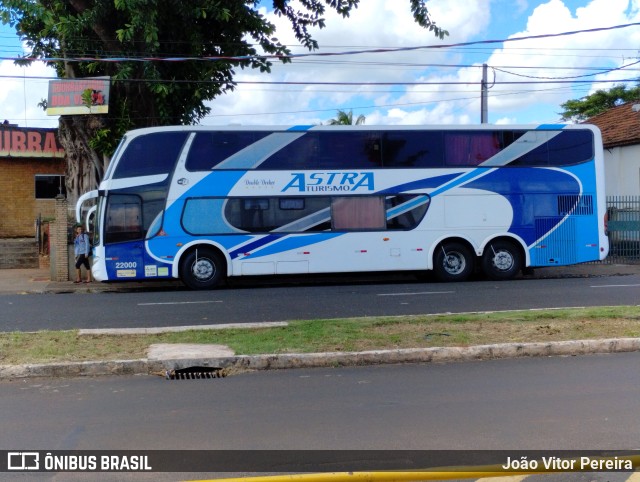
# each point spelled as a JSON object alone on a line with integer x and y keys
{"x": 124, "y": 237}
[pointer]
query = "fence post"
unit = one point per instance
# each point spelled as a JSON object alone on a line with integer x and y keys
{"x": 59, "y": 242}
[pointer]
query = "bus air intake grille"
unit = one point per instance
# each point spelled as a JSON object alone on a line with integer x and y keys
{"x": 194, "y": 373}
{"x": 578, "y": 205}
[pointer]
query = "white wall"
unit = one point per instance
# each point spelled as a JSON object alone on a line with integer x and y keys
{"x": 622, "y": 171}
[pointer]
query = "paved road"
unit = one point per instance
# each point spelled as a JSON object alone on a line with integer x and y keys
{"x": 586, "y": 402}
{"x": 281, "y": 302}
{"x": 582, "y": 402}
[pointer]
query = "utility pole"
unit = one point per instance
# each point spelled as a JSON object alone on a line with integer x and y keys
{"x": 484, "y": 91}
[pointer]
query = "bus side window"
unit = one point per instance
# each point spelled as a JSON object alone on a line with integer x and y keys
{"x": 349, "y": 150}
{"x": 302, "y": 153}
{"x": 564, "y": 149}
{"x": 124, "y": 219}
{"x": 471, "y": 148}
{"x": 358, "y": 213}
{"x": 209, "y": 149}
{"x": 412, "y": 149}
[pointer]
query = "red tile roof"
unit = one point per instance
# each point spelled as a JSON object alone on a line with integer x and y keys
{"x": 620, "y": 125}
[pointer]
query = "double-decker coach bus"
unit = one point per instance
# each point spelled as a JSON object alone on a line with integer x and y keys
{"x": 205, "y": 203}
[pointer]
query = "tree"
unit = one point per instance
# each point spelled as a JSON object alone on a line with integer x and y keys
{"x": 115, "y": 38}
{"x": 578, "y": 110}
{"x": 346, "y": 119}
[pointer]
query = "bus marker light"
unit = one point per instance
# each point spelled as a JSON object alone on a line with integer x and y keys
{"x": 178, "y": 244}
{"x": 386, "y": 239}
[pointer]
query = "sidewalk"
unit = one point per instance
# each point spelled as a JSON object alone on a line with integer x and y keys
{"x": 28, "y": 281}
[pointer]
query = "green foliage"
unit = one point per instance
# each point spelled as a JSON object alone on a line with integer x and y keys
{"x": 86, "y": 98}
{"x": 344, "y": 118}
{"x": 578, "y": 110}
{"x": 422, "y": 17}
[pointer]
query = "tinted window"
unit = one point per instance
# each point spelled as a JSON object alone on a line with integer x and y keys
{"x": 412, "y": 149}
{"x": 310, "y": 214}
{"x": 279, "y": 214}
{"x": 568, "y": 147}
{"x": 150, "y": 154}
{"x": 209, "y": 149}
{"x": 349, "y": 150}
{"x": 405, "y": 211}
{"x": 470, "y": 148}
{"x": 473, "y": 148}
{"x": 328, "y": 150}
{"x": 299, "y": 154}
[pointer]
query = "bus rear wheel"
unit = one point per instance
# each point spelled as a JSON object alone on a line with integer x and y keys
{"x": 202, "y": 269}
{"x": 453, "y": 262}
{"x": 501, "y": 260}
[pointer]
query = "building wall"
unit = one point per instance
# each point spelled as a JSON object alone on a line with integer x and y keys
{"x": 622, "y": 171}
{"x": 18, "y": 205}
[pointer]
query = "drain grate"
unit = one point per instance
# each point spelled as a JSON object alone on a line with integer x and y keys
{"x": 194, "y": 373}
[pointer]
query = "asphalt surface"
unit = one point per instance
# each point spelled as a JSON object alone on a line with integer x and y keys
{"x": 170, "y": 359}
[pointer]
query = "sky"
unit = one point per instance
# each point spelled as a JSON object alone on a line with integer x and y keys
{"x": 416, "y": 86}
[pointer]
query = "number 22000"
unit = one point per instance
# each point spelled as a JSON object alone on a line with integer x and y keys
{"x": 126, "y": 264}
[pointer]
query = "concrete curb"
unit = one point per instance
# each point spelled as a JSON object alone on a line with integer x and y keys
{"x": 311, "y": 360}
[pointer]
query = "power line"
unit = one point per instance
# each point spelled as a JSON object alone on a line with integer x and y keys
{"x": 244, "y": 58}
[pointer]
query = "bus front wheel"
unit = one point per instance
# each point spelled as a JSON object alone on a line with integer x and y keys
{"x": 501, "y": 260}
{"x": 202, "y": 269}
{"x": 453, "y": 262}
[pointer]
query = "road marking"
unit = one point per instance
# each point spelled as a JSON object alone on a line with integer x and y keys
{"x": 179, "y": 303}
{"x": 419, "y": 293}
{"x": 615, "y": 286}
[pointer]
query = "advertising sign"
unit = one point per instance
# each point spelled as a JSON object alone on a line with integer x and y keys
{"x": 78, "y": 96}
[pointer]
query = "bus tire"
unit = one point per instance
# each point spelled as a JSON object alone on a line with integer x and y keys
{"x": 453, "y": 261}
{"x": 202, "y": 269}
{"x": 502, "y": 260}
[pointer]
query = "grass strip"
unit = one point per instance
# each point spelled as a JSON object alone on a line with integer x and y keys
{"x": 339, "y": 335}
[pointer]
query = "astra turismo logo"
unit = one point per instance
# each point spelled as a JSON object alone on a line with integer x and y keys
{"x": 331, "y": 181}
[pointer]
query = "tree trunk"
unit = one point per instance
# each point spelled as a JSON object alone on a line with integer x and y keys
{"x": 85, "y": 167}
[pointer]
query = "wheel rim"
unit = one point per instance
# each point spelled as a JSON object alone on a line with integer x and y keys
{"x": 503, "y": 261}
{"x": 203, "y": 269}
{"x": 454, "y": 263}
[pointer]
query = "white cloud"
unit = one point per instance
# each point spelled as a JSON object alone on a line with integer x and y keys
{"x": 21, "y": 92}
{"x": 559, "y": 57}
{"x": 375, "y": 24}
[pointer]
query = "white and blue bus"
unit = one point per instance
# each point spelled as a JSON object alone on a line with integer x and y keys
{"x": 205, "y": 203}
